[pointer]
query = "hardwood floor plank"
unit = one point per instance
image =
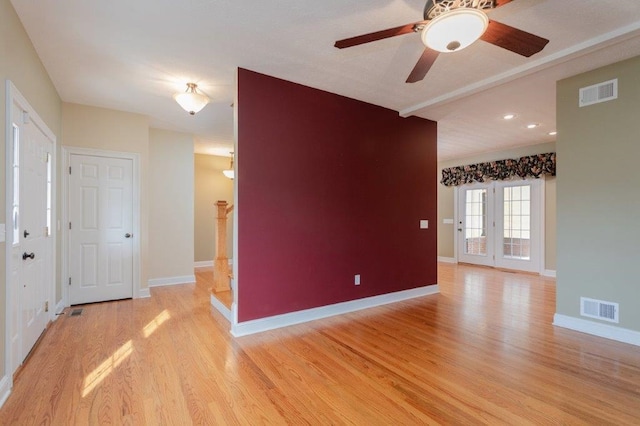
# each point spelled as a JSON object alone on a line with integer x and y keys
{"x": 482, "y": 351}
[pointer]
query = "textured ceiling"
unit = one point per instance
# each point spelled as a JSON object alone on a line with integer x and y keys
{"x": 133, "y": 55}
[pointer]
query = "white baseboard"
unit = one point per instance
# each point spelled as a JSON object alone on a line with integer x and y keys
{"x": 221, "y": 308}
{"x": 144, "y": 293}
{"x": 5, "y": 389}
{"x": 549, "y": 273}
{"x": 284, "y": 320}
{"x": 59, "y": 308}
{"x": 597, "y": 329}
{"x": 159, "y": 282}
{"x": 444, "y": 259}
{"x": 208, "y": 263}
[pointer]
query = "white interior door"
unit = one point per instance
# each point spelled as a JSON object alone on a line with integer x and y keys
{"x": 32, "y": 273}
{"x": 100, "y": 228}
{"x": 500, "y": 224}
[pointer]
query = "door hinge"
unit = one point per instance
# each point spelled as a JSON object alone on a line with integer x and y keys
{"x": 46, "y": 231}
{"x": 69, "y": 225}
{"x": 46, "y": 306}
{"x": 69, "y": 169}
{"x": 69, "y": 280}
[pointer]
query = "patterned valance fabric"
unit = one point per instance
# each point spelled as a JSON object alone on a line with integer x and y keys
{"x": 530, "y": 166}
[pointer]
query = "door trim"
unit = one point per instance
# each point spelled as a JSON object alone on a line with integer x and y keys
{"x": 67, "y": 152}
{"x": 14, "y": 95}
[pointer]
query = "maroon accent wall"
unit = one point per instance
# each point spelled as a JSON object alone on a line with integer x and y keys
{"x": 329, "y": 187}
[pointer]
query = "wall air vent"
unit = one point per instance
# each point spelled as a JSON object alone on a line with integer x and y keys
{"x": 601, "y": 92}
{"x": 592, "y": 308}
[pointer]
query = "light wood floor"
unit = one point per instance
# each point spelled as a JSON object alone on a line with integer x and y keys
{"x": 483, "y": 351}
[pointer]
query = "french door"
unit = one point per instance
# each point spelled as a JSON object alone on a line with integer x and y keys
{"x": 499, "y": 224}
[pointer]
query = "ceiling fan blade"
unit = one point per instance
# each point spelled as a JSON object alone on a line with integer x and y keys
{"x": 424, "y": 64}
{"x": 379, "y": 35}
{"x": 513, "y": 39}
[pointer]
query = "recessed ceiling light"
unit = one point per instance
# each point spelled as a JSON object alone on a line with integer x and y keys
{"x": 532, "y": 125}
{"x": 509, "y": 116}
{"x": 553, "y": 133}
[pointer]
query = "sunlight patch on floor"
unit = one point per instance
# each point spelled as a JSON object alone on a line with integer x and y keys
{"x": 103, "y": 370}
{"x": 155, "y": 323}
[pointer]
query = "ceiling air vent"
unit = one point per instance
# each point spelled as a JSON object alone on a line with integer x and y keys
{"x": 592, "y": 308}
{"x": 597, "y": 93}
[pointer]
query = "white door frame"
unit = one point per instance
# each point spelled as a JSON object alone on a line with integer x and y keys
{"x": 542, "y": 228}
{"x": 13, "y": 95}
{"x": 67, "y": 152}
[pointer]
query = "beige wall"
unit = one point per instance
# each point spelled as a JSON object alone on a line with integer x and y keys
{"x": 446, "y": 233}
{"x": 171, "y": 203}
{"x": 599, "y": 194}
{"x": 20, "y": 64}
{"x": 105, "y": 129}
{"x": 210, "y": 186}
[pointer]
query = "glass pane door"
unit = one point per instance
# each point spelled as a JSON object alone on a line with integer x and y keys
{"x": 517, "y": 219}
{"x": 499, "y": 224}
{"x": 475, "y": 240}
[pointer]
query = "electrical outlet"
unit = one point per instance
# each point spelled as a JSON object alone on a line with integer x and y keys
{"x": 357, "y": 279}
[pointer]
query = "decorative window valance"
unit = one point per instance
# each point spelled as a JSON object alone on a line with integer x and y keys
{"x": 524, "y": 167}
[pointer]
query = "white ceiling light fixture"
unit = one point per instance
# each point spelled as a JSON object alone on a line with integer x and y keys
{"x": 190, "y": 100}
{"x": 454, "y": 30}
{"x": 230, "y": 173}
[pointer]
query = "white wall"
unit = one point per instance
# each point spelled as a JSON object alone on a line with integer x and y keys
{"x": 171, "y": 215}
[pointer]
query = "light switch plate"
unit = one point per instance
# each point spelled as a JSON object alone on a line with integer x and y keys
{"x": 424, "y": 224}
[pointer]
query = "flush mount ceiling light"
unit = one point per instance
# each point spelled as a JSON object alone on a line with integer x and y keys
{"x": 190, "y": 100}
{"x": 455, "y": 29}
{"x": 230, "y": 171}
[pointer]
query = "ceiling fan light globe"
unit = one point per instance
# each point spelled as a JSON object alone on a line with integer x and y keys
{"x": 455, "y": 30}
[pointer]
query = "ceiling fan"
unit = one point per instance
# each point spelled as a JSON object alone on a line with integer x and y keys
{"x": 452, "y": 25}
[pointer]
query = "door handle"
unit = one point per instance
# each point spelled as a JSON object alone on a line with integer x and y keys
{"x": 25, "y": 233}
{"x": 459, "y": 229}
{"x": 26, "y": 255}
{"x": 128, "y": 235}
